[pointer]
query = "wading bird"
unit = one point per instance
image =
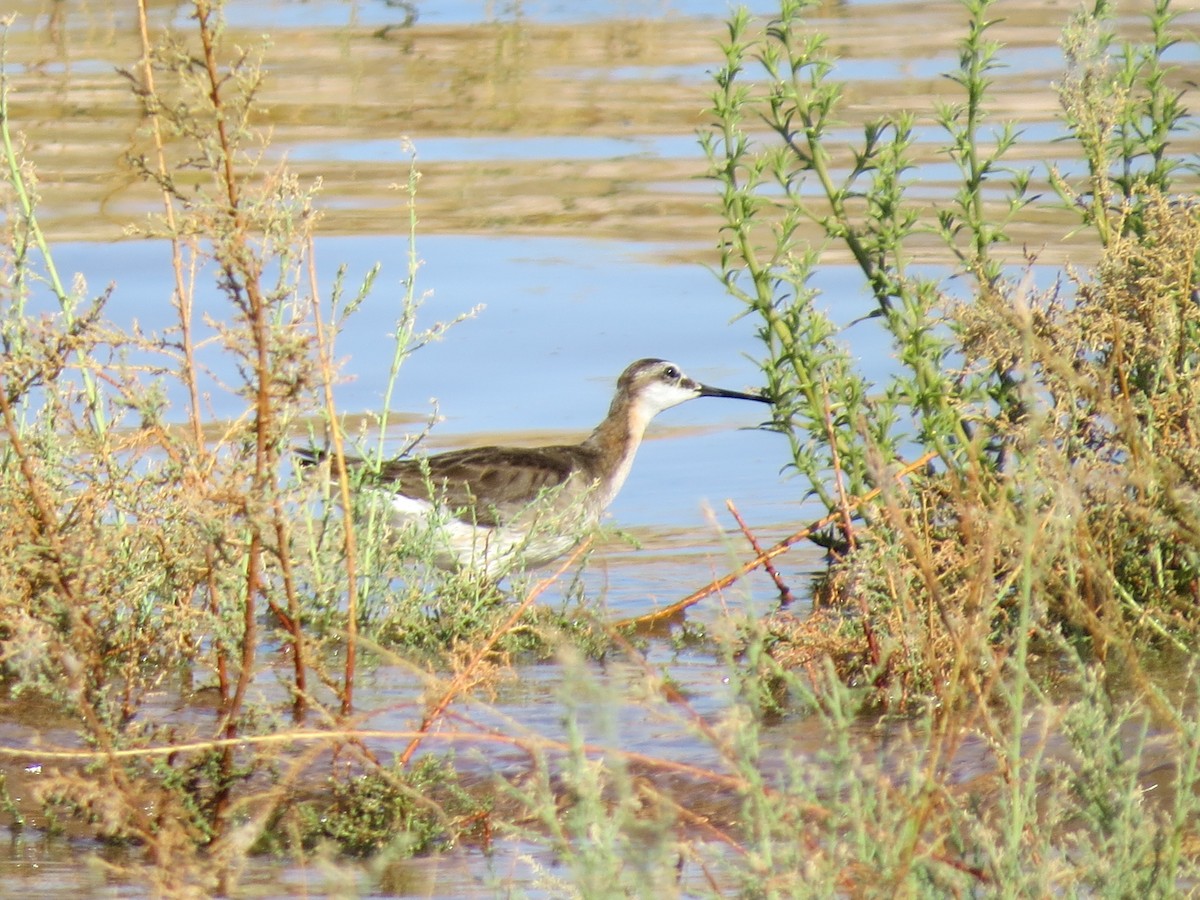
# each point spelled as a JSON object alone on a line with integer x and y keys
{"x": 498, "y": 508}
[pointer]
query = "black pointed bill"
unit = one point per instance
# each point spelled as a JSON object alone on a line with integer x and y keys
{"x": 707, "y": 391}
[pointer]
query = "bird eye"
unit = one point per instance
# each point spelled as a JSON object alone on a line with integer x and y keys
{"x": 671, "y": 372}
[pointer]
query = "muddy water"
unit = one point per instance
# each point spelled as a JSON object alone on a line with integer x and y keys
{"x": 559, "y": 189}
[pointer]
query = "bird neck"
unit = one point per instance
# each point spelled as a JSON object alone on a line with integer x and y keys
{"x": 615, "y": 442}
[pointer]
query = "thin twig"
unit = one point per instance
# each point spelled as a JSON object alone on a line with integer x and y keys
{"x": 349, "y": 539}
{"x": 785, "y": 593}
{"x": 187, "y": 368}
{"x": 839, "y": 474}
{"x": 463, "y": 678}
{"x": 31, "y": 227}
{"x": 241, "y": 275}
{"x": 721, "y": 583}
{"x": 357, "y": 735}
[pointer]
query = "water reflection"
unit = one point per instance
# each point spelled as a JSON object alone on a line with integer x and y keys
{"x": 536, "y": 118}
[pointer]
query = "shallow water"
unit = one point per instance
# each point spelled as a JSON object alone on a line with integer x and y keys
{"x": 560, "y": 191}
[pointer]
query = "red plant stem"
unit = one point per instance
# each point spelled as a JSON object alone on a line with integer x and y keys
{"x": 839, "y": 475}
{"x": 719, "y": 584}
{"x": 463, "y": 678}
{"x": 785, "y": 593}
{"x": 241, "y": 275}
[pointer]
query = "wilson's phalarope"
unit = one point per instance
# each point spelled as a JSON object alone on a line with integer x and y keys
{"x": 496, "y": 508}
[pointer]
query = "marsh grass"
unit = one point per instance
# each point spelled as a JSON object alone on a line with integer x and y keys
{"x": 996, "y": 689}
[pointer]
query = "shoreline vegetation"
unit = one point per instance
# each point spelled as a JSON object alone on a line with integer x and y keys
{"x": 1012, "y": 526}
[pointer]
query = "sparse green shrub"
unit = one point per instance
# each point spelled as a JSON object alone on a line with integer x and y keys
{"x": 1070, "y": 409}
{"x": 145, "y": 554}
{"x": 404, "y": 811}
{"x": 1020, "y": 591}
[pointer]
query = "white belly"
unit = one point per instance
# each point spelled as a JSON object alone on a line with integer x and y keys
{"x": 536, "y": 539}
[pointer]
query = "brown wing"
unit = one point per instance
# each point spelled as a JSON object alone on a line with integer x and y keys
{"x": 486, "y": 485}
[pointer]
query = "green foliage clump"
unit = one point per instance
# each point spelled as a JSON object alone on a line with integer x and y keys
{"x": 1059, "y": 425}
{"x": 404, "y": 812}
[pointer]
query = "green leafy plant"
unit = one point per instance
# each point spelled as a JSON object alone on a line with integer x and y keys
{"x": 1031, "y": 404}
